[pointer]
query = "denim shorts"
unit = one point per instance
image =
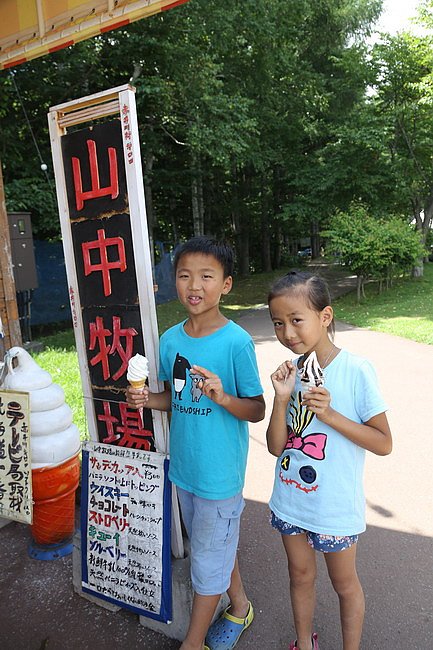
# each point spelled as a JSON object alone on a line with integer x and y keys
{"x": 318, "y": 541}
{"x": 213, "y": 530}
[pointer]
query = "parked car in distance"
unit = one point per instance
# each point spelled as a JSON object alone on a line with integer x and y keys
{"x": 304, "y": 252}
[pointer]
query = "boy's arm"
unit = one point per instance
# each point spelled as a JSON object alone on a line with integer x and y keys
{"x": 142, "y": 398}
{"x": 251, "y": 409}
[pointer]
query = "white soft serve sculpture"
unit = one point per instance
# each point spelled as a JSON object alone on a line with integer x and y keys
{"x": 53, "y": 436}
{"x": 54, "y": 446}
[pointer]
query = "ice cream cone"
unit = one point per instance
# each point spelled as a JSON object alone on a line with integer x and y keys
{"x": 138, "y": 384}
{"x": 305, "y": 386}
{"x": 311, "y": 374}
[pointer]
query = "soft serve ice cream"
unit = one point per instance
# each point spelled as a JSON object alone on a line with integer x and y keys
{"x": 138, "y": 371}
{"x": 311, "y": 374}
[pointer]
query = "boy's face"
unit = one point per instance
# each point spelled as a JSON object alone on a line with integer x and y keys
{"x": 200, "y": 282}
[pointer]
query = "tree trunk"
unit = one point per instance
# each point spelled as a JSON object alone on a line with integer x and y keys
{"x": 418, "y": 269}
{"x": 276, "y": 261}
{"x": 422, "y": 225}
{"x": 277, "y": 236}
{"x": 197, "y": 197}
{"x": 266, "y": 243}
{"x": 172, "y": 207}
{"x": 240, "y": 228}
{"x": 359, "y": 281}
{"x": 315, "y": 238}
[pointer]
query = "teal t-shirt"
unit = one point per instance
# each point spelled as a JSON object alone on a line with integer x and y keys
{"x": 208, "y": 445}
{"x": 318, "y": 481}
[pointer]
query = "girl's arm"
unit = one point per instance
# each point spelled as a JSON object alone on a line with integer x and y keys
{"x": 373, "y": 435}
{"x": 283, "y": 381}
{"x": 276, "y": 434}
{"x": 142, "y": 398}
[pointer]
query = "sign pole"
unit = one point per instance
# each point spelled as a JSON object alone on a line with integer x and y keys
{"x": 10, "y": 324}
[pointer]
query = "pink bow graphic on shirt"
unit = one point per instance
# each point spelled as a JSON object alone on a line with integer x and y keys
{"x": 312, "y": 445}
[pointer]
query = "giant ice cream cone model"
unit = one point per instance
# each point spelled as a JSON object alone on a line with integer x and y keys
{"x": 54, "y": 444}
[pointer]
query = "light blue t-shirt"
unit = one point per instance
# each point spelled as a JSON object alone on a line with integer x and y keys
{"x": 318, "y": 481}
{"x": 208, "y": 445}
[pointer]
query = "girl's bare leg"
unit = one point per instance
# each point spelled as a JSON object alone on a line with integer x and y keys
{"x": 342, "y": 572}
{"x": 302, "y": 572}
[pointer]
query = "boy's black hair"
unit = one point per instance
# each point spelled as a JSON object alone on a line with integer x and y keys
{"x": 313, "y": 287}
{"x": 220, "y": 250}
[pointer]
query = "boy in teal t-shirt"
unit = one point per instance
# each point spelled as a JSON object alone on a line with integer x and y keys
{"x": 212, "y": 390}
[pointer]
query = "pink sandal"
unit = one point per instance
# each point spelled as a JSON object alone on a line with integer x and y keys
{"x": 314, "y": 643}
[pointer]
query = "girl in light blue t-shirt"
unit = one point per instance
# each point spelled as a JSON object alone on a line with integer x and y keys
{"x": 327, "y": 411}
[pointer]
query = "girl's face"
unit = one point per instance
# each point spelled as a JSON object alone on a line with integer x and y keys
{"x": 297, "y": 326}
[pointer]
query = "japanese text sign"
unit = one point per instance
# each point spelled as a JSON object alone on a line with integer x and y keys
{"x": 105, "y": 298}
{"x": 15, "y": 465}
{"x": 125, "y": 528}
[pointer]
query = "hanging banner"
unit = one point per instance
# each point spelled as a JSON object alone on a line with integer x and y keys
{"x": 32, "y": 28}
{"x": 15, "y": 464}
{"x": 125, "y": 529}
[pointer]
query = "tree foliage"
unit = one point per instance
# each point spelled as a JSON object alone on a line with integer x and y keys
{"x": 373, "y": 248}
{"x": 255, "y": 121}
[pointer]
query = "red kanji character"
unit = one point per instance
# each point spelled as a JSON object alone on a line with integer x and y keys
{"x": 134, "y": 434}
{"x": 105, "y": 266}
{"x": 98, "y": 333}
{"x": 125, "y": 354}
{"x": 109, "y": 420}
{"x": 96, "y": 191}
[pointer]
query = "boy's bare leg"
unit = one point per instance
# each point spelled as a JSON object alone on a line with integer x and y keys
{"x": 203, "y": 609}
{"x": 236, "y": 592}
{"x": 342, "y": 571}
{"x": 302, "y": 571}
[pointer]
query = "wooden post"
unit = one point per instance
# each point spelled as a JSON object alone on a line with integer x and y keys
{"x": 8, "y": 297}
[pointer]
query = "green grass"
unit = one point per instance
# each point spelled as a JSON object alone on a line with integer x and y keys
{"x": 59, "y": 358}
{"x": 404, "y": 310}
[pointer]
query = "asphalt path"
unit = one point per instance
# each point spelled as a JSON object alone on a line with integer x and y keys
{"x": 395, "y": 553}
{"x": 40, "y": 611}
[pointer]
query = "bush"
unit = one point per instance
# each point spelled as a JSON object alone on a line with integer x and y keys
{"x": 373, "y": 248}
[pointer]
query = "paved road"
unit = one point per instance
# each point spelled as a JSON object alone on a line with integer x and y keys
{"x": 396, "y": 552}
{"x": 39, "y": 611}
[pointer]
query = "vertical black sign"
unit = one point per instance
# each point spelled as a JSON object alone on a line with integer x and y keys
{"x": 94, "y": 167}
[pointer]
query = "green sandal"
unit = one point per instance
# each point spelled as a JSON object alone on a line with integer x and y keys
{"x": 226, "y": 631}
